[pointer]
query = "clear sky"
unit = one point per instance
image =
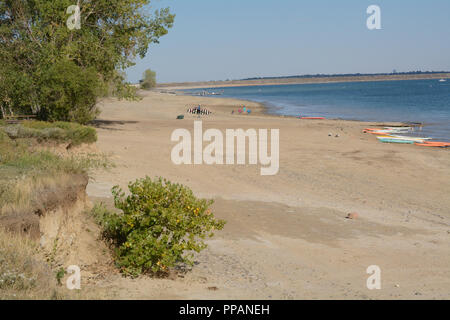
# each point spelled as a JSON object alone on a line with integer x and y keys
{"x": 235, "y": 39}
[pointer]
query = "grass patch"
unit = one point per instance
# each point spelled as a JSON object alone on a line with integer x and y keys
{"x": 69, "y": 132}
{"x": 22, "y": 274}
{"x": 23, "y": 169}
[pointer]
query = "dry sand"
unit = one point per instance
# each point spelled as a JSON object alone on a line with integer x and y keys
{"x": 287, "y": 236}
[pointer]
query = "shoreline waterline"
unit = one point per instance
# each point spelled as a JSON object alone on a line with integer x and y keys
{"x": 422, "y": 102}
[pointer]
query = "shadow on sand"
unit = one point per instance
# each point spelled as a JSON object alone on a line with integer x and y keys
{"x": 111, "y": 124}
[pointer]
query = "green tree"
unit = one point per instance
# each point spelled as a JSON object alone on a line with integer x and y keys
{"x": 149, "y": 80}
{"x": 59, "y": 73}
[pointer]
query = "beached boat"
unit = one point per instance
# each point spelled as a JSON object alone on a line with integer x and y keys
{"x": 386, "y": 131}
{"x": 410, "y": 138}
{"x": 433, "y": 144}
{"x": 413, "y": 139}
{"x": 403, "y": 129}
{"x": 393, "y": 140}
{"x": 312, "y": 118}
{"x": 381, "y": 133}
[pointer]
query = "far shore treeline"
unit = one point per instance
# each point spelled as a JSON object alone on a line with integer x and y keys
{"x": 58, "y": 74}
{"x": 312, "y": 78}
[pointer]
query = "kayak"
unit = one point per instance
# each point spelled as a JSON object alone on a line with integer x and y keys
{"x": 391, "y": 140}
{"x": 393, "y": 130}
{"x": 312, "y": 118}
{"x": 399, "y": 129}
{"x": 402, "y": 138}
{"x": 382, "y": 133}
{"x": 410, "y": 138}
{"x": 433, "y": 144}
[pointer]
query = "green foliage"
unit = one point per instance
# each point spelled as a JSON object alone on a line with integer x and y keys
{"x": 69, "y": 93}
{"x": 60, "y": 275}
{"x": 149, "y": 80}
{"x": 160, "y": 224}
{"x": 18, "y": 157}
{"x": 56, "y": 131}
{"x": 57, "y": 73}
{"x": 3, "y": 137}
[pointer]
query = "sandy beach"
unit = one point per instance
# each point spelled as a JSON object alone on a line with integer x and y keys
{"x": 287, "y": 235}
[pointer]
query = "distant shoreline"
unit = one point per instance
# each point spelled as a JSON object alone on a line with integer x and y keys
{"x": 292, "y": 81}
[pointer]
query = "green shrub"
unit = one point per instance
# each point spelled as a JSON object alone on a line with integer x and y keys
{"x": 56, "y": 131}
{"x": 4, "y": 137}
{"x": 161, "y": 224}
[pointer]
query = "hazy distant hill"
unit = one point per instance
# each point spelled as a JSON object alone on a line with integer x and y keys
{"x": 318, "y": 78}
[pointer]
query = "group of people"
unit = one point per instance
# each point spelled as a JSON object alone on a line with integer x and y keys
{"x": 243, "y": 110}
{"x": 198, "y": 110}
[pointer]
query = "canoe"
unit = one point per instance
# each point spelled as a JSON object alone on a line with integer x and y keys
{"x": 373, "y": 129}
{"x": 388, "y": 133}
{"x": 382, "y": 133}
{"x": 420, "y": 140}
{"x": 410, "y": 138}
{"x": 398, "y": 128}
{"x": 391, "y": 140}
{"x": 313, "y": 118}
{"x": 433, "y": 144}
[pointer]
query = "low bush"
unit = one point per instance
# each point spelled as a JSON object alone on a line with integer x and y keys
{"x": 57, "y": 131}
{"x": 4, "y": 137}
{"x": 160, "y": 225}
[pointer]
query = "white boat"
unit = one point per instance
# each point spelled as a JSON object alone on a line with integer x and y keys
{"x": 415, "y": 139}
{"x": 442, "y": 80}
{"x": 398, "y": 128}
{"x": 410, "y": 138}
{"x": 392, "y": 140}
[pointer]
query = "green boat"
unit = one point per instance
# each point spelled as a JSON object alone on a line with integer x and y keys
{"x": 393, "y": 140}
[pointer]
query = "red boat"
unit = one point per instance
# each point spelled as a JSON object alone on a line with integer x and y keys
{"x": 312, "y": 118}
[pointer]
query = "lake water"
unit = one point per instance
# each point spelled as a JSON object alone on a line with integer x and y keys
{"x": 424, "y": 101}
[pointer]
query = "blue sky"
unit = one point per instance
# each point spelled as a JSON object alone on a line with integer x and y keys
{"x": 235, "y": 39}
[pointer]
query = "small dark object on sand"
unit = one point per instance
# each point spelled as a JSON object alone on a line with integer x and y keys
{"x": 180, "y": 117}
{"x": 213, "y": 288}
{"x": 352, "y": 216}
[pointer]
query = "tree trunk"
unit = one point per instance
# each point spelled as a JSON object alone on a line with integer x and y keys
{"x": 3, "y": 111}
{"x": 11, "y": 113}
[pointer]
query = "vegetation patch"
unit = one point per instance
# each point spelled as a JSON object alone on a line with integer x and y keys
{"x": 22, "y": 274}
{"x": 24, "y": 170}
{"x": 160, "y": 224}
{"x": 60, "y": 132}
{"x": 33, "y": 182}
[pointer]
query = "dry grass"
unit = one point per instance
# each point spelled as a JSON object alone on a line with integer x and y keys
{"x": 24, "y": 169}
{"x": 23, "y": 275}
{"x": 28, "y": 178}
{"x": 22, "y": 194}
